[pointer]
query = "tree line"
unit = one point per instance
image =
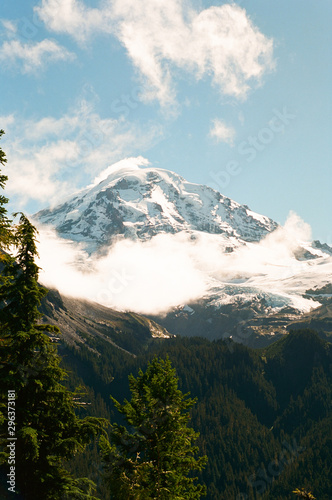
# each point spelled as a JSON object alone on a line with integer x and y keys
{"x": 39, "y": 416}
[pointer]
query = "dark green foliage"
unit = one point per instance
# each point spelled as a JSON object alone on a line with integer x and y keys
{"x": 259, "y": 444}
{"x": 5, "y": 229}
{"x": 3, "y": 160}
{"x": 291, "y": 361}
{"x": 48, "y": 430}
{"x": 235, "y": 403}
{"x": 154, "y": 461}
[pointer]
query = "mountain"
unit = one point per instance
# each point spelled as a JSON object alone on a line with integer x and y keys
{"x": 141, "y": 203}
{"x": 93, "y": 326}
{"x": 258, "y": 277}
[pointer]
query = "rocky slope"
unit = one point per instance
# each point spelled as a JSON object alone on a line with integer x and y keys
{"x": 81, "y": 322}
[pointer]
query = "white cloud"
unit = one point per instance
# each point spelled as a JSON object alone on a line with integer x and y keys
{"x": 73, "y": 17}
{"x": 162, "y": 35}
{"x": 51, "y": 157}
{"x": 33, "y": 56}
{"x": 10, "y": 26}
{"x": 222, "y": 132}
{"x": 138, "y": 276}
{"x": 169, "y": 270}
{"x": 28, "y": 55}
{"x": 125, "y": 164}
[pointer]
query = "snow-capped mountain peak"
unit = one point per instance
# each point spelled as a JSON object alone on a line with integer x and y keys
{"x": 157, "y": 244}
{"x": 138, "y": 202}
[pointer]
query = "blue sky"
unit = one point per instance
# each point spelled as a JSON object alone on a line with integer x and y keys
{"x": 233, "y": 95}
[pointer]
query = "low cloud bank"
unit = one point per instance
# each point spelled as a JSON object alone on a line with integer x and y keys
{"x": 154, "y": 276}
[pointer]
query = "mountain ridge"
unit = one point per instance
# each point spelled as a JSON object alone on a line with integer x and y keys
{"x": 140, "y": 203}
{"x": 256, "y": 273}
{"x": 82, "y": 323}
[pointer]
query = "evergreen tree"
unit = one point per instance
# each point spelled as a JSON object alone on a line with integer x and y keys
{"x": 47, "y": 428}
{"x": 156, "y": 460}
{"x": 5, "y": 234}
{"x": 4, "y": 222}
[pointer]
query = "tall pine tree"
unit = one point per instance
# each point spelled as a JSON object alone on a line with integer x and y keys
{"x": 47, "y": 430}
{"x": 157, "y": 460}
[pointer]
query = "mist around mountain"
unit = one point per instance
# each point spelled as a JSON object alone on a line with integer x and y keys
{"x": 148, "y": 264}
{"x": 145, "y": 240}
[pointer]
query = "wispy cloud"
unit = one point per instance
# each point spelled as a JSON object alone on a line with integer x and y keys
{"x": 50, "y": 157}
{"x": 222, "y": 132}
{"x": 74, "y": 17}
{"x": 162, "y": 36}
{"x": 27, "y": 55}
{"x": 127, "y": 163}
{"x": 32, "y": 56}
{"x": 10, "y": 27}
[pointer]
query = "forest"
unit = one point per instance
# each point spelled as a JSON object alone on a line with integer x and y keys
{"x": 173, "y": 418}
{"x": 264, "y": 416}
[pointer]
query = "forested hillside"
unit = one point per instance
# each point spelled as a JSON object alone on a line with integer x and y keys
{"x": 264, "y": 416}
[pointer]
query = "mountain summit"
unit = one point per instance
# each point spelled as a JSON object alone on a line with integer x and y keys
{"x": 143, "y": 202}
{"x": 194, "y": 260}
